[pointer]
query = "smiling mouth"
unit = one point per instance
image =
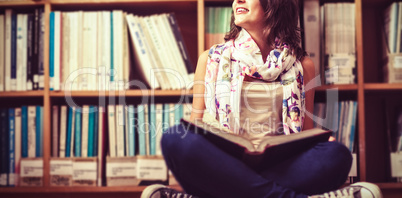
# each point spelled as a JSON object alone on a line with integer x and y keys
{"x": 241, "y": 10}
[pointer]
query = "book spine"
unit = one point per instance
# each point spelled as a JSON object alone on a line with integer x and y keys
{"x": 11, "y": 147}
{"x": 2, "y": 46}
{"x": 180, "y": 42}
{"x": 111, "y": 71}
{"x": 51, "y": 49}
{"x": 4, "y": 152}
{"x": 96, "y": 131}
{"x": 158, "y": 128}
{"x": 17, "y": 145}
{"x": 152, "y": 129}
{"x": 35, "y": 45}
{"x": 112, "y": 131}
{"x": 57, "y": 49}
{"x": 7, "y": 49}
{"x": 66, "y": 115}
{"x": 126, "y": 131}
{"x": 68, "y": 131}
{"x": 77, "y": 130}
{"x": 31, "y": 131}
{"x": 24, "y": 131}
{"x": 13, "y": 80}
{"x": 84, "y": 131}
{"x": 30, "y": 46}
{"x": 131, "y": 130}
{"x": 120, "y": 130}
{"x": 101, "y": 143}
{"x": 166, "y": 117}
{"x": 146, "y": 132}
{"x": 141, "y": 129}
{"x": 353, "y": 126}
{"x": 55, "y": 130}
{"x": 91, "y": 125}
{"x": 39, "y": 132}
{"x": 41, "y": 69}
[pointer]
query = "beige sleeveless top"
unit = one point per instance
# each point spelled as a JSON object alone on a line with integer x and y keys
{"x": 260, "y": 110}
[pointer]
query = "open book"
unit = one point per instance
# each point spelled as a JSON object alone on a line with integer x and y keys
{"x": 271, "y": 148}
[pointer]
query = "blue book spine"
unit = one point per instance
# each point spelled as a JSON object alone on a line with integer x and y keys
{"x": 51, "y": 49}
{"x": 24, "y": 131}
{"x": 77, "y": 130}
{"x": 38, "y": 132}
{"x": 96, "y": 132}
{"x": 337, "y": 132}
{"x": 14, "y": 52}
{"x": 4, "y": 147}
{"x": 131, "y": 131}
{"x": 152, "y": 129}
{"x": 166, "y": 117}
{"x": 178, "y": 113}
{"x": 353, "y": 127}
{"x": 69, "y": 131}
{"x": 141, "y": 130}
{"x": 11, "y": 165}
{"x": 111, "y": 49}
{"x": 91, "y": 131}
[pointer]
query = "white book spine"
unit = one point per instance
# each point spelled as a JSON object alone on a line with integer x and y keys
{"x": 126, "y": 55}
{"x": 7, "y": 50}
{"x": 84, "y": 132}
{"x": 126, "y": 130}
{"x": 17, "y": 145}
{"x": 31, "y": 131}
{"x": 71, "y": 82}
{"x": 80, "y": 50}
{"x": 187, "y": 108}
{"x": 55, "y": 82}
{"x": 159, "y": 128}
{"x": 100, "y": 143}
{"x": 118, "y": 46}
{"x": 147, "y": 133}
{"x": 2, "y": 33}
{"x": 112, "y": 131}
{"x": 55, "y": 130}
{"x": 65, "y": 51}
{"x": 90, "y": 50}
{"x": 63, "y": 131}
{"x": 120, "y": 130}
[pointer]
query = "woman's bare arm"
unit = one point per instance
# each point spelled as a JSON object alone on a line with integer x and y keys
{"x": 199, "y": 87}
{"x": 309, "y": 74}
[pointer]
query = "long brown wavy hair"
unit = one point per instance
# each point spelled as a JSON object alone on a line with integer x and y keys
{"x": 281, "y": 21}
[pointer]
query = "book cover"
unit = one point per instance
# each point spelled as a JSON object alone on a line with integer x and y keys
{"x": 22, "y": 51}
{"x": 52, "y": 51}
{"x": 102, "y": 147}
{"x": 271, "y": 147}
{"x": 30, "y": 50}
{"x": 67, "y": 116}
{"x": 95, "y": 132}
{"x": 41, "y": 44}
{"x": 35, "y": 55}
{"x": 158, "y": 128}
{"x": 7, "y": 48}
{"x": 13, "y": 81}
{"x": 120, "y": 142}
{"x": 24, "y": 131}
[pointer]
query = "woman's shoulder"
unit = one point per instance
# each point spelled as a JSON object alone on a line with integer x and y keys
{"x": 307, "y": 64}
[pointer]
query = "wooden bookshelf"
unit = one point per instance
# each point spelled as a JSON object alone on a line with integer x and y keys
{"x": 368, "y": 91}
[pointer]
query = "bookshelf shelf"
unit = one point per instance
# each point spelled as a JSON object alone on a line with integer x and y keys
{"x": 126, "y": 93}
{"x": 21, "y": 3}
{"x": 21, "y": 94}
{"x": 383, "y": 87}
{"x": 113, "y": 1}
{"x": 353, "y": 87}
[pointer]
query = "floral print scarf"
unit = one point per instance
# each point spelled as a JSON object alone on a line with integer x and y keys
{"x": 227, "y": 65}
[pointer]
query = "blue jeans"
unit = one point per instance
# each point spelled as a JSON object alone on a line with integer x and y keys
{"x": 204, "y": 170}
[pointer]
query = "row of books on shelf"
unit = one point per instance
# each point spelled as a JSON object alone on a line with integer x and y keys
{"x": 340, "y": 117}
{"x": 335, "y": 53}
{"x": 392, "y": 42}
{"x": 217, "y": 24}
{"x": 21, "y": 50}
{"x": 83, "y": 138}
{"x": 91, "y": 51}
{"x": 21, "y": 136}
